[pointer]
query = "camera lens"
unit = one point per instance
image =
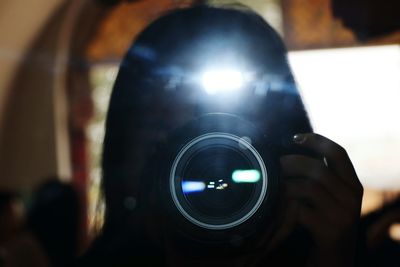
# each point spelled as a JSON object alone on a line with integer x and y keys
{"x": 218, "y": 181}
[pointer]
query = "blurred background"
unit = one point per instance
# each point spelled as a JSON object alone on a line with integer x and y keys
{"x": 59, "y": 60}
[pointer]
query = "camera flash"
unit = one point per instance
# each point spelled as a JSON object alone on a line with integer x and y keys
{"x": 216, "y": 81}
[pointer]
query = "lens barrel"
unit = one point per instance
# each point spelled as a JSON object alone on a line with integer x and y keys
{"x": 220, "y": 179}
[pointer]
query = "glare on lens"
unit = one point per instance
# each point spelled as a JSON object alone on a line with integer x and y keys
{"x": 246, "y": 176}
{"x": 225, "y": 80}
{"x": 192, "y": 186}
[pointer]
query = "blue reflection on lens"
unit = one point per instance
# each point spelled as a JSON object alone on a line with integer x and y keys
{"x": 191, "y": 187}
{"x": 246, "y": 176}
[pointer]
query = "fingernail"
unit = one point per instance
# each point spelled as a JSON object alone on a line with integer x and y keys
{"x": 299, "y": 138}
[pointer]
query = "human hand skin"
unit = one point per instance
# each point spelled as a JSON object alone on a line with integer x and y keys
{"x": 325, "y": 197}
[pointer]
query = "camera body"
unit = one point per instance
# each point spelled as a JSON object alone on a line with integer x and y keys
{"x": 219, "y": 182}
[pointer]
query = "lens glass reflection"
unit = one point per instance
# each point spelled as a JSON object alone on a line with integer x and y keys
{"x": 218, "y": 181}
{"x": 221, "y": 197}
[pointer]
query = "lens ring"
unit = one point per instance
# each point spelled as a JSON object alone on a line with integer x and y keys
{"x": 244, "y": 143}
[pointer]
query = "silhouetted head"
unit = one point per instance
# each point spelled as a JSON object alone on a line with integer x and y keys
{"x": 172, "y": 75}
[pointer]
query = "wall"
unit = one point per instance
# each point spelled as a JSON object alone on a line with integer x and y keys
{"x": 33, "y": 104}
{"x": 20, "y": 22}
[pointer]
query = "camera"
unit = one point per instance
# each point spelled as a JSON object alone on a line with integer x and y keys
{"x": 220, "y": 175}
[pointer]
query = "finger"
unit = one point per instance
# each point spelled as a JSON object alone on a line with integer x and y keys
{"x": 312, "y": 194}
{"x": 335, "y": 155}
{"x": 289, "y": 221}
{"x": 310, "y": 168}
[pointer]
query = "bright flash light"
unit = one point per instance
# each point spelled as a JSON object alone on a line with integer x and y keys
{"x": 246, "y": 176}
{"x": 215, "y": 81}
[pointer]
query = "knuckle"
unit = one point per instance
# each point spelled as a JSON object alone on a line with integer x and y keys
{"x": 330, "y": 146}
{"x": 317, "y": 137}
{"x": 336, "y": 152}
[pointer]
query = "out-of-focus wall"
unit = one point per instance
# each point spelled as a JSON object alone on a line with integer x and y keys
{"x": 20, "y": 22}
{"x": 34, "y": 45}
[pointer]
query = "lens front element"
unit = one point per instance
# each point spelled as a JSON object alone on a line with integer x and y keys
{"x": 218, "y": 181}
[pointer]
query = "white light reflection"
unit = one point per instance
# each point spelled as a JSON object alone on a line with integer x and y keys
{"x": 353, "y": 95}
{"x": 222, "y": 80}
{"x": 222, "y": 186}
{"x": 192, "y": 186}
{"x": 246, "y": 176}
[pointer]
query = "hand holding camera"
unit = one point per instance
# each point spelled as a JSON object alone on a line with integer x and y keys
{"x": 325, "y": 196}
